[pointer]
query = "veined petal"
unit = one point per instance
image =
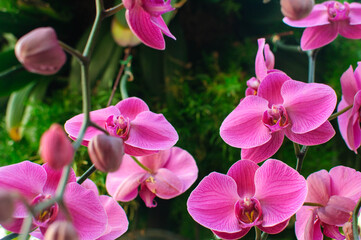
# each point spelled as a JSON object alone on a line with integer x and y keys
{"x": 319, "y": 187}
{"x": 243, "y": 127}
{"x": 355, "y": 13}
{"x": 265, "y": 151}
{"x": 275, "y": 229}
{"x": 269, "y": 57}
{"x": 156, "y": 161}
{"x": 343, "y": 121}
{"x": 270, "y": 87}
{"x": 280, "y": 189}
{"x": 151, "y": 131}
{"x": 306, "y": 225}
{"x": 165, "y": 184}
{"x": 349, "y": 31}
{"x": 337, "y": 211}
{"x": 332, "y": 232}
{"x": 157, "y": 7}
{"x": 346, "y": 182}
{"x": 349, "y": 85}
{"x": 159, "y": 22}
{"x": 53, "y": 178}
{"x": 318, "y": 136}
{"x": 131, "y": 107}
{"x": 147, "y": 196}
{"x": 319, "y": 36}
{"x": 353, "y": 125}
{"x": 243, "y": 172}
{"x": 89, "y": 184}
{"x": 232, "y": 236}
{"x": 15, "y": 225}
{"x": 211, "y": 203}
{"x": 308, "y": 105}
{"x": 317, "y": 17}
{"x": 134, "y": 151}
{"x": 260, "y": 64}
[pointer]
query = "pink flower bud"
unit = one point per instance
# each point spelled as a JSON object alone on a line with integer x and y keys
{"x": 106, "y": 152}
{"x": 56, "y": 148}
{"x": 7, "y": 206}
{"x": 61, "y": 230}
{"x": 296, "y": 9}
{"x": 40, "y": 52}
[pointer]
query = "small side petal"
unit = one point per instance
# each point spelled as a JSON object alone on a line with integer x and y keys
{"x": 270, "y": 87}
{"x": 343, "y": 121}
{"x": 53, "y": 178}
{"x": 353, "y": 129}
{"x": 131, "y": 107}
{"x": 165, "y": 184}
{"x": 260, "y": 63}
{"x": 319, "y": 187}
{"x": 337, "y": 211}
{"x": 232, "y": 236}
{"x": 348, "y": 85}
{"x": 275, "y": 229}
{"x": 319, "y": 36}
{"x": 332, "y": 232}
{"x": 317, "y": 17}
{"x": 306, "y": 225}
{"x": 159, "y": 22}
{"x": 355, "y": 13}
{"x": 269, "y": 57}
{"x": 211, "y": 203}
{"x": 147, "y": 196}
{"x": 350, "y": 31}
{"x": 346, "y": 182}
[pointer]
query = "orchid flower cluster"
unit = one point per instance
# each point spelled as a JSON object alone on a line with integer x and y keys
{"x": 135, "y": 146}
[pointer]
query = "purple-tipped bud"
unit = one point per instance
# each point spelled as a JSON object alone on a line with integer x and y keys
{"x": 106, "y": 152}
{"x": 296, "y": 9}
{"x": 7, "y": 206}
{"x": 56, "y": 148}
{"x": 61, "y": 230}
{"x": 39, "y": 51}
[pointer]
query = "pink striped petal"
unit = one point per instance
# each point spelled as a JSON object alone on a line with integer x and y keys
{"x": 151, "y": 131}
{"x": 243, "y": 172}
{"x": 157, "y": 7}
{"x": 231, "y": 236}
{"x": 88, "y": 215}
{"x": 269, "y": 57}
{"x": 165, "y": 184}
{"x": 159, "y": 22}
{"x": 281, "y": 190}
{"x": 317, "y": 17}
{"x": 308, "y": 105}
{"x": 211, "y": 203}
{"x": 270, "y": 87}
{"x": 131, "y": 107}
{"x": 349, "y": 31}
{"x": 243, "y": 127}
{"x": 89, "y": 184}
{"x": 318, "y": 136}
{"x": 319, "y": 187}
{"x": 355, "y": 13}
{"x": 260, "y": 64}
{"x": 147, "y": 196}
{"x": 156, "y": 161}
{"x": 343, "y": 121}
{"x": 53, "y": 178}
{"x": 346, "y": 182}
{"x": 117, "y": 219}
{"x": 349, "y": 85}
{"x": 332, "y": 232}
{"x": 134, "y": 151}
{"x": 319, "y": 36}
{"x": 141, "y": 25}
{"x": 337, "y": 211}
{"x": 306, "y": 225}
{"x": 265, "y": 151}
{"x": 275, "y": 229}
{"x": 353, "y": 129}
{"x": 14, "y": 225}
{"x": 26, "y": 177}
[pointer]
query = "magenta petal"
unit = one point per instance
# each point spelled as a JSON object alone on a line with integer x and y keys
{"x": 355, "y": 13}
{"x": 350, "y": 31}
{"x": 141, "y": 25}
{"x": 243, "y": 172}
{"x": 269, "y": 57}
{"x": 346, "y": 182}
{"x": 319, "y": 187}
{"x": 280, "y": 189}
{"x": 332, "y": 232}
{"x": 156, "y": 161}
{"x": 306, "y": 225}
{"x": 267, "y": 150}
{"x": 159, "y": 22}
{"x": 308, "y": 105}
{"x": 343, "y": 121}
{"x": 232, "y": 236}
{"x": 337, "y": 211}
{"x": 53, "y": 178}
{"x": 89, "y": 184}
{"x": 243, "y": 127}
{"x": 349, "y": 85}
{"x": 270, "y": 87}
{"x": 319, "y": 36}
{"x": 117, "y": 219}
{"x": 88, "y": 214}
{"x": 165, "y": 184}
{"x": 211, "y": 203}
{"x": 26, "y": 177}
{"x": 134, "y": 151}
{"x": 318, "y": 136}
{"x": 151, "y": 131}
{"x": 353, "y": 130}
{"x": 261, "y": 68}
{"x": 317, "y": 17}
{"x": 131, "y": 107}
{"x": 147, "y": 196}
{"x": 14, "y": 225}
{"x": 275, "y": 229}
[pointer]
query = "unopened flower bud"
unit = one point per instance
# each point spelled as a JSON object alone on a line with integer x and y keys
{"x": 122, "y": 35}
{"x": 39, "y": 51}
{"x": 7, "y": 206}
{"x": 106, "y": 152}
{"x": 61, "y": 230}
{"x": 56, "y": 148}
{"x": 296, "y": 9}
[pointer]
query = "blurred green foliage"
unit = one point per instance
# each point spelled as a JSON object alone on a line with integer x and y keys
{"x": 196, "y": 82}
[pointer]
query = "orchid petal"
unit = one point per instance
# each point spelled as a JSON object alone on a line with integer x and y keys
{"x": 156, "y": 161}
{"x": 265, "y": 151}
{"x": 165, "y": 184}
{"x": 270, "y": 87}
{"x": 269, "y": 57}
{"x": 243, "y": 172}
{"x": 319, "y": 36}
{"x": 349, "y": 85}
{"x": 317, "y": 17}
{"x": 318, "y": 136}
{"x": 134, "y": 151}
{"x": 349, "y": 31}
{"x": 147, "y": 196}
{"x": 211, "y": 203}
{"x": 232, "y": 236}
{"x": 131, "y": 107}
{"x": 159, "y": 22}
{"x": 337, "y": 211}
{"x": 306, "y": 225}
{"x": 276, "y": 228}
{"x": 157, "y": 8}
{"x": 243, "y": 127}
{"x": 346, "y": 182}
{"x": 343, "y": 121}
{"x": 53, "y": 178}
{"x": 308, "y": 105}
{"x": 319, "y": 187}
{"x": 89, "y": 184}
{"x": 261, "y": 68}
{"x": 280, "y": 189}
{"x": 353, "y": 125}
{"x": 355, "y": 13}
{"x": 14, "y": 225}
{"x": 332, "y": 232}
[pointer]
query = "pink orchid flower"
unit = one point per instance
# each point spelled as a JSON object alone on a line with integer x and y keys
{"x": 349, "y": 122}
{"x": 338, "y": 192}
{"x": 265, "y": 61}
{"x": 145, "y": 20}
{"x": 38, "y": 183}
{"x": 142, "y": 131}
{"x": 282, "y": 107}
{"x": 249, "y": 195}
{"x": 326, "y": 21}
{"x": 171, "y": 172}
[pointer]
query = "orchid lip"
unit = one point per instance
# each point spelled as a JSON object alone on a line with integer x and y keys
{"x": 275, "y": 118}
{"x": 118, "y": 126}
{"x": 248, "y": 212}
{"x": 338, "y": 11}
{"x": 48, "y": 215}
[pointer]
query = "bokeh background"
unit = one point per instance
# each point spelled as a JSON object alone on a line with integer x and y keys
{"x": 196, "y": 82}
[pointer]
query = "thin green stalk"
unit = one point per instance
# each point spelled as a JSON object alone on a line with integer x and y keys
{"x": 86, "y": 174}
{"x": 75, "y": 53}
{"x": 300, "y": 158}
{"x": 258, "y": 233}
{"x": 141, "y": 165}
{"x": 264, "y": 236}
{"x": 62, "y": 183}
{"x": 123, "y": 83}
{"x": 335, "y": 115}
{"x": 311, "y": 204}
{"x": 111, "y": 11}
{"x": 293, "y": 48}
{"x": 26, "y": 228}
{"x": 11, "y": 70}
{"x": 355, "y": 213}
{"x": 311, "y": 65}
{"x": 10, "y": 236}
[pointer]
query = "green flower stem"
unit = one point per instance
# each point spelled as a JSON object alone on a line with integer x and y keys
{"x": 26, "y": 228}
{"x": 62, "y": 183}
{"x": 75, "y": 53}
{"x": 355, "y": 213}
{"x": 311, "y": 204}
{"x": 86, "y": 174}
{"x": 311, "y": 65}
{"x": 281, "y": 45}
{"x": 141, "y": 165}
{"x": 300, "y": 155}
{"x": 10, "y": 236}
{"x": 11, "y": 70}
{"x": 258, "y": 233}
{"x": 111, "y": 11}
{"x": 335, "y": 115}
{"x": 264, "y": 236}
{"x": 127, "y": 76}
